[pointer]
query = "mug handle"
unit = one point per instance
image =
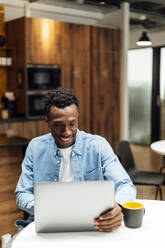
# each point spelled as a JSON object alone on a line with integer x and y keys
{"x": 144, "y": 211}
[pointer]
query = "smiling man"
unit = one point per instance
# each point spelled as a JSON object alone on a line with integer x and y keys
{"x": 63, "y": 123}
{"x": 67, "y": 154}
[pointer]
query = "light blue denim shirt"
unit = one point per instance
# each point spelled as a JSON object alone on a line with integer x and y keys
{"x": 92, "y": 159}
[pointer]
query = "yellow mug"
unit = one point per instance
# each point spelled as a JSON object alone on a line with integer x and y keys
{"x": 133, "y": 214}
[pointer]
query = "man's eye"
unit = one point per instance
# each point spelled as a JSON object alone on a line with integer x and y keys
{"x": 57, "y": 125}
{"x": 72, "y": 124}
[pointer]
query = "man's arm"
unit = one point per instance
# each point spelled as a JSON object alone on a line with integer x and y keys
{"x": 25, "y": 201}
{"x": 24, "y": 189}
{"x": 124, "y": 189}
{"x": 114, "y": 171}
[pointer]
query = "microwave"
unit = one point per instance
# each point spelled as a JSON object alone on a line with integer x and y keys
{"x": 43, "y": 77}
{"x": 36, "y": 105}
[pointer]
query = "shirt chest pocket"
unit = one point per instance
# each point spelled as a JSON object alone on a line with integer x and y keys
{"x": 95, "y": 174}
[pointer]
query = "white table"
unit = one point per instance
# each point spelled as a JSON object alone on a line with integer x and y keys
{"x": 151, "y": 234}
{"x": 159, "y": 147}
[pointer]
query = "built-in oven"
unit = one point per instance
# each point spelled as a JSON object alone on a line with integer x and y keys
{"x": 36, "y": 104}
{"x": 40, "y": 80}
{"x": 43, "y": 77}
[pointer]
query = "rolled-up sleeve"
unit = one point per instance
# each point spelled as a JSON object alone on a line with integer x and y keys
{"x": 113, "y": 170}
{"x": 24, "y": 189}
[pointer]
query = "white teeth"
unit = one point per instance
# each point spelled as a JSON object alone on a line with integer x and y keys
{"x": 65, "y": 139}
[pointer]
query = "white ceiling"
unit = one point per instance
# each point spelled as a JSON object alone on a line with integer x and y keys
{"x": 72, "y": 12}
{"x": 144, "y": 14}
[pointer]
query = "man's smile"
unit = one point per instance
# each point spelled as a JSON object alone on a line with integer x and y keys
{"x": 65, "y": 139}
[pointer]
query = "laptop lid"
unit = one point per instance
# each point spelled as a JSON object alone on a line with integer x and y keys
{"x": 71, "y": 206}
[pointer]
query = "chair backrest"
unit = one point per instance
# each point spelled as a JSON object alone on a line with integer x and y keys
{"x": 126, "y": 157}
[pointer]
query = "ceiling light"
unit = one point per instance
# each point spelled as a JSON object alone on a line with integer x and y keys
{"x": 144, "y": 40}
{"x": 142, "y": 17}
{"x": 80, "y": 1}
{"x": 102, "y": 2}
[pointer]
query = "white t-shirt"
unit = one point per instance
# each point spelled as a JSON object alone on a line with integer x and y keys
{"x": 66, "y": 172}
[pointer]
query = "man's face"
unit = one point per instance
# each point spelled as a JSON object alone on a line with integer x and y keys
{"x": 63, "y": 123}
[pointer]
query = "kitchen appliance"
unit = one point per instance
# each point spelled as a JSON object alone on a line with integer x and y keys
{"x": 40, "y": 80}
{"x": 36, "y": 104}
{"x": 43, "y": 77}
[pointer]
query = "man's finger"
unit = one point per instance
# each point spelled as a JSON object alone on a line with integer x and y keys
{"x": 108, "y": 228}
{"x": 111, "y": 229}
{"x": 109, "y": 221}
{"x": 110, "y": 214}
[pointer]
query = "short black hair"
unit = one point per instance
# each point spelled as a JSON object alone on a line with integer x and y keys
{"x": 60, "y": 98}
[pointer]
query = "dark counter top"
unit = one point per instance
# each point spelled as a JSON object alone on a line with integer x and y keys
{"x": 8, "y": 141}
{"x": 22, "y": 119}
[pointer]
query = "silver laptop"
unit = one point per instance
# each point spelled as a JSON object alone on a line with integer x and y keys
{"x": 73, "y": 206}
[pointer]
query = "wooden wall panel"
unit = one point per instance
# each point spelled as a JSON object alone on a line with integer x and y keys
{"x": 76, "y": 67}
{"x": 10, "y": 169}
{"x": 81, "y": 86}
{"x": 106, "y": 83}
{"x": 76, "y": 76}
{"x": 3, "y": 73}
{"x": 73, "y": 36}
{"x": 10, "y": 160}
{"x": 2, "y": 26}
{"x": 27, "y": 129}
{"x": 42, "y": 41}
{"x": 3, "y": 77}
{"x": 91, "y": 67}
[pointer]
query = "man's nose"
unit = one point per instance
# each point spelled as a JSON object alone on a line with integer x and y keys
{"x": 66, "y": 131}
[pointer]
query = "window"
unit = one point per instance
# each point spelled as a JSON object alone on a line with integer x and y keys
{"x": 140, "y": 92}
{"x": 162, "y": 93}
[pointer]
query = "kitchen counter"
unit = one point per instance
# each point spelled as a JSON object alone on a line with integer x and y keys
{"x": 20, "y": 119}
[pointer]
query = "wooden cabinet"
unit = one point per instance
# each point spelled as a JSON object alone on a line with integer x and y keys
{"x": 90, "y": 64}
{"x": 47, "y": 41}
{"x": 42, "y": 41}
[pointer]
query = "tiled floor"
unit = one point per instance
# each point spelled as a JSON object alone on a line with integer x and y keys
{"x": 148, "y": 160}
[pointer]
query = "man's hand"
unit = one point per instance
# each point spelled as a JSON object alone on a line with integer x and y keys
{"x": 109, "y": 221}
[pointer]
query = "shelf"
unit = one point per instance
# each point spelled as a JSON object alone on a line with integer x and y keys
{"x": 5, "y": 66}
{"x": 6, "y": 61}
{"x": 38, "y": 92}
{"x": 6, "y": 48}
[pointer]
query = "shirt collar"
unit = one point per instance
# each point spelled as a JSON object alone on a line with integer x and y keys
{"x": 77, "y": 147}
